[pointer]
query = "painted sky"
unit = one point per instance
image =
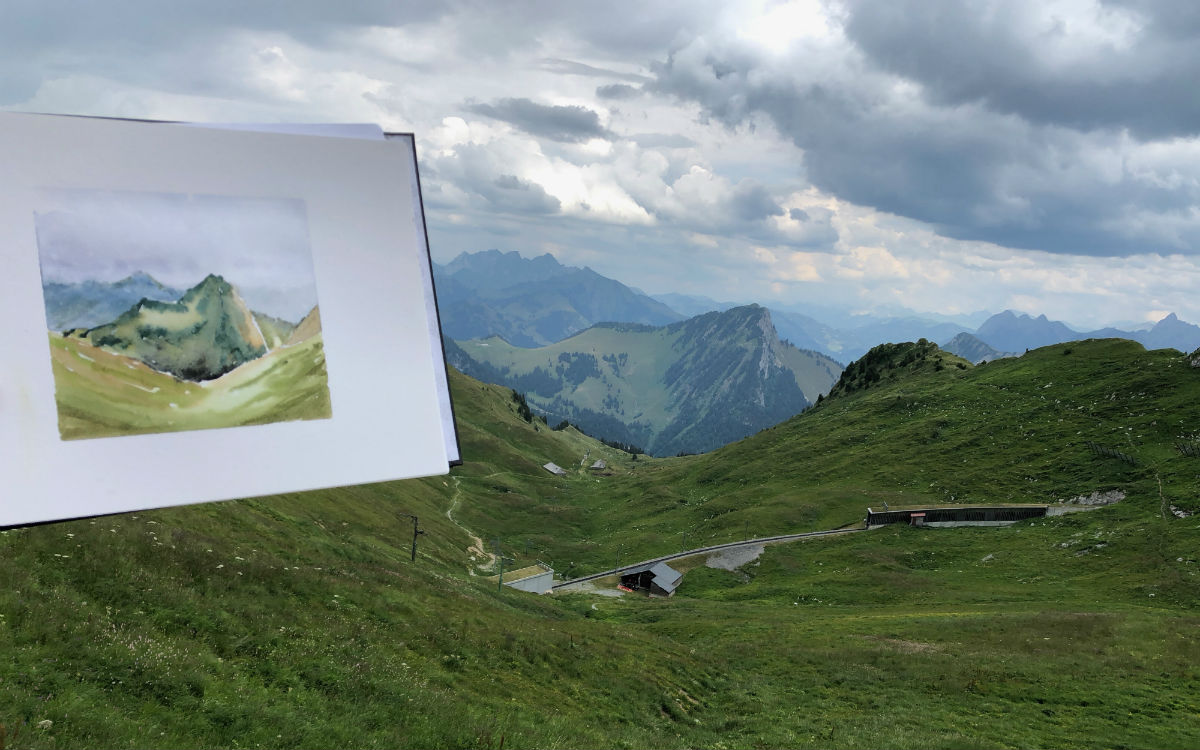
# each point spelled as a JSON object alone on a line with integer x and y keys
{"x": 259, "y": 245}
{"x": 935, "y": 155}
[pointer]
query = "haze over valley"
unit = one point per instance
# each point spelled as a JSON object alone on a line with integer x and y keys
{"x": 629, "y": 368}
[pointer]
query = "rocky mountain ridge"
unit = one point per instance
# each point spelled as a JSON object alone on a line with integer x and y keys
{"x": 687, "y": 387}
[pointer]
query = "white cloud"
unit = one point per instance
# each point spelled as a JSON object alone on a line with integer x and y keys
{"x": 855, "y": 154}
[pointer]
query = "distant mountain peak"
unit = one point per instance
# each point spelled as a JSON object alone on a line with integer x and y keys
{"x": 972, "y": 349}
{"x": 534, "y": 301}
{"x": 716, "y": 378}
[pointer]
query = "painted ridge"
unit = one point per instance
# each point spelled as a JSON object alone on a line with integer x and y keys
{"x": 703, "y": 550}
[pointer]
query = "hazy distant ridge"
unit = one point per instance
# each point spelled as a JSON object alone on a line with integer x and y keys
{"x": 1010, "y": 332}
{"x": 533, "y": 302}
{"x": 691, "y": 386}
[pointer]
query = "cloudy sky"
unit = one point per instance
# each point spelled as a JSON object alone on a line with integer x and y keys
{"x": 936, "y": 156}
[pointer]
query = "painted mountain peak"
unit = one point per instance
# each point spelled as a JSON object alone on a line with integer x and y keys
{"x": 207, "y": 333}
{"x": 205, "y": 360}
{"x": 131, "y": 355}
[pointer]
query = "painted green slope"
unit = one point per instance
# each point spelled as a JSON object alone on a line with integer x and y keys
{"x": 102, "y": 394}
{"x": 690, "y": 386}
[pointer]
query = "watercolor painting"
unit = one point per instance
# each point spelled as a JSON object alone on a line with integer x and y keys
{"x": 170, "y": 312}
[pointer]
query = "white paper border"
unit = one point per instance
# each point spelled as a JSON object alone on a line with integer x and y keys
{"x": 386, "y": 420}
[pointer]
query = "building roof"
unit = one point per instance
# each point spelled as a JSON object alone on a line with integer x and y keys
{"x": 662, "y": 575}
{"x": 555, "y": 469}
{"x": 529, "y": 571}
{"x": 599, "y": 464}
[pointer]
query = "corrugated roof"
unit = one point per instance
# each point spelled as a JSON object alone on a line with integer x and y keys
{"x": 664, "y": 576}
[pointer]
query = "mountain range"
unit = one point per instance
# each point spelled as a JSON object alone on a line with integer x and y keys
{"x": 1012, "y": 332}
{"x": 629, "y": 368}
{"x": 687, "y": 387}
{"x": 534, "y": 302}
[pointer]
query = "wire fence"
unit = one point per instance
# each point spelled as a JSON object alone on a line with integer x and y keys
{"x": 1107, "y": 452}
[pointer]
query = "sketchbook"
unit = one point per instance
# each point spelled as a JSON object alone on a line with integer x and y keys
{"x": 198, "y": 314}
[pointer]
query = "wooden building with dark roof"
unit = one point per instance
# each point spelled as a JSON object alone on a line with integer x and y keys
{"x": 657, "y": 578}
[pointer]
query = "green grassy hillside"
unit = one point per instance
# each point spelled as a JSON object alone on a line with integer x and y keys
{"x": 299, "y": 620}
{"x": 1013, "y": 431}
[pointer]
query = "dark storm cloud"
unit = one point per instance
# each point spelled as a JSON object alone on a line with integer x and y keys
{"x": 571, "y": 67}
{"x": 36, "y": 24}
{"x": 919, "y": 131}
{"x": 569, "y": 124}
{"x": 1139, "y": 81}
{"x": 662, "y": 140}
{"x": 152, "y": 43}
{"x": 618, "y": 91}
{"x": 752, "y": 202}
{"x": 481, "y": 173}
{"x": 512, "y": 194}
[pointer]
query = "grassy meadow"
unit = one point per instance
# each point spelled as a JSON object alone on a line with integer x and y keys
{"x": 298, "y": 620}
{"x": 102, "y": 394}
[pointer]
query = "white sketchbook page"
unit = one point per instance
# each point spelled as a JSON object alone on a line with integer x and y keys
{"x": 364, "y": 131}
{"x": 380, "y": 366}
{"x": 435, "y": 330}
{"x": 374, "y": 132}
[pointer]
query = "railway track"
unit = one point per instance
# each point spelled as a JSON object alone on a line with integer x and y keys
{"x": 705, "y": 550}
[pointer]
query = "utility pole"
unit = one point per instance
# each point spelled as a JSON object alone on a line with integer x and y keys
{"x": 500, "y": 562}
{"x": 416, "y": 532}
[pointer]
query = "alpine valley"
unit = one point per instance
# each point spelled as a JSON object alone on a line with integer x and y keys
{"x": 687, "y": 387}
{"x": 303, "y": 620}
{"x": 680, "y": 374}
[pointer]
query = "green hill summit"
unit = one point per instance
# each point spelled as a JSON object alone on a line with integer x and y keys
{"x": 204, "y": 335}
{"x": 889, "y": 362}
